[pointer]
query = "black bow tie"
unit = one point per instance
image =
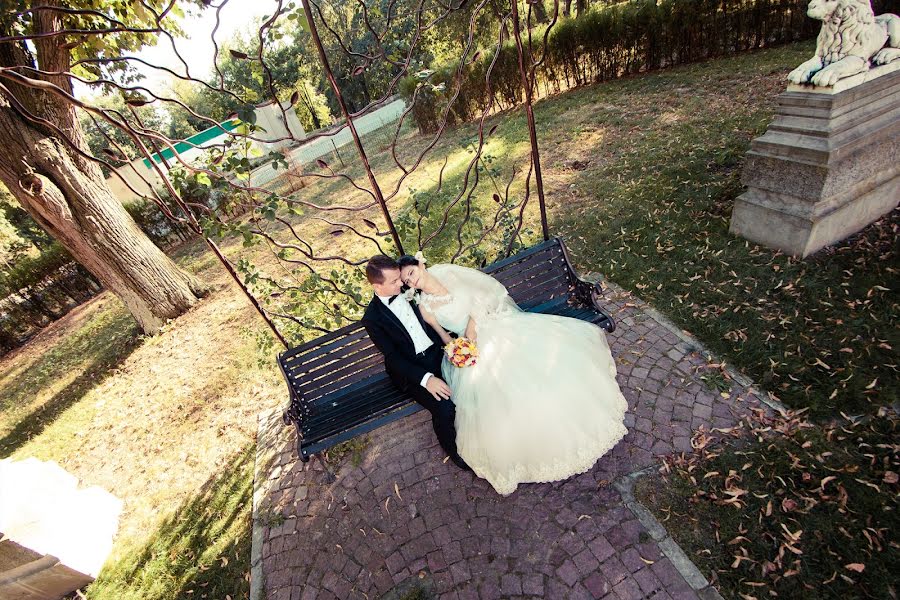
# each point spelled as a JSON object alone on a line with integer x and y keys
{"x": 392, "y": 298}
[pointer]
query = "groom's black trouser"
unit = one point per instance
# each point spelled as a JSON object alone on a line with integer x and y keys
{"x": 443, "y": 412}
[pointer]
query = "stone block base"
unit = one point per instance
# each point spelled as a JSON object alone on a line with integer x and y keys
{"x": 826, "y": 167}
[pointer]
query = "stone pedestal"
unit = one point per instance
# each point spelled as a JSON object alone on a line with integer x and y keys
{"x": 828, "y": 165}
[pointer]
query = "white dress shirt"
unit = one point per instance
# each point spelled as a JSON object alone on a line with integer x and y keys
{"x": 403, "y": 311}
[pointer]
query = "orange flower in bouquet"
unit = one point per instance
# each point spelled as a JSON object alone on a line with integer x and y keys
{"x": 462, "y": 352}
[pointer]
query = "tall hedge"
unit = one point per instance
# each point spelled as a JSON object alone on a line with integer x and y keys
{"x": 607, "y": 42}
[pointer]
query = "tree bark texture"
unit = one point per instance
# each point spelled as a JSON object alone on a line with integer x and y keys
{"x": 68, "y": 196}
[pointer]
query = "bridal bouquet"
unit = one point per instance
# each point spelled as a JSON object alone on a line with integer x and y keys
{"x": 462, "y": 352}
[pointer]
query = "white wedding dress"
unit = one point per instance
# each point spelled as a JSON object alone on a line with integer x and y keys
{"x": 542, "y": 403}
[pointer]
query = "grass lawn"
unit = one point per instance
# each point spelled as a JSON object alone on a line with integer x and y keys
{"x": 640, "y": 176}
{"x": 166, "y": 423}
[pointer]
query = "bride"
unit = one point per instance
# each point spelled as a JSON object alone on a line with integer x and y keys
{"x": 542, "y": 403}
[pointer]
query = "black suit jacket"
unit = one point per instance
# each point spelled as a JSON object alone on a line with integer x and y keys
{"x": 404, "y": 367}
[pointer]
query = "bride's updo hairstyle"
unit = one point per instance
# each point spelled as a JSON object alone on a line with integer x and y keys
{"x": 408, "y": 261}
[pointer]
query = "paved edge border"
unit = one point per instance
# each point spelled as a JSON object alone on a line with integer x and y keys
{"x": 263, "y": 456}
{"x": 667, "y": 544}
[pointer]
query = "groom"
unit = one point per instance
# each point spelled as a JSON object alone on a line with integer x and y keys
{"x": 412, "y": 350}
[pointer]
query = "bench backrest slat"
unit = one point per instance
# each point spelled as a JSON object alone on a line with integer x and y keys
{"x": 325, "y": 362}
{"x": 344, "y": 373}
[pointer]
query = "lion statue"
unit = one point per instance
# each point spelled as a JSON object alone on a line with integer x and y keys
{"x": 851, "y": 36}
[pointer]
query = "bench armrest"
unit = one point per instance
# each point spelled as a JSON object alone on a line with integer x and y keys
{"x": 586, "y": 292}
{"x": 291, "y": 414}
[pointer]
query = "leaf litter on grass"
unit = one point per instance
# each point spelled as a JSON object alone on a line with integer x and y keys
{"x": 781, "y": 506}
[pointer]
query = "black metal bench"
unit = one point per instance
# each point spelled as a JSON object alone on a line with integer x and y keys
{"x": 339, "y": 388}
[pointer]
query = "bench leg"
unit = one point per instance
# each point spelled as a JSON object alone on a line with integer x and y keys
{"x": 328, "y": 475}
{"x": 300, "y": 454}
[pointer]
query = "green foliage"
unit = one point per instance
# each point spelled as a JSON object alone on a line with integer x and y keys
{"x": 289, "y": 69}
{"x": 312, "y": 106}
{"x": 265, "y": 344}
{"x": 354, "y": 448}
{"x": 30, "y": 270}
{"x": 110, "y": 143}
{"x": 315, "y": 302}
{"x": 604, "y": 43}
{"x": 101, "y": 43}
{"x": 18, "y": 231}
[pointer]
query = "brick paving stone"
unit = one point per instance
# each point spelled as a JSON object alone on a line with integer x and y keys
{"x": 510, "y": 584}
{"x": 533, "y": 584}
{"x": 597, "y": 585}
{"x": 475, "y": 544}
{"x": 666, "y": 572}
{"x": 601, "y": 548}
{"x": 460, "y": 572}
{"x": 490, "y": 590}
{"x": 614, "y": 570}
{"x": 579, "y": 592}
{"x": 468, "y": 592}
{"x": 443, "y": 581}
{"x": 648, "y": 550}
{"x": 557, "y": 589}
{"x": 647, "y": 581}
{"x": 568, "y": 573}
{"x": 684, "y": 594}
{"x": 401, "y": 576}
{"x": 585, "y": 562}
{"x": 703, "y": 411}
{"x": 628, "y": 589}
{"x": 631, "y": 558}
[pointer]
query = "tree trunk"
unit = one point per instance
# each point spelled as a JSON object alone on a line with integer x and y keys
{"x": 75, "y": 206}
{"x": 67, "y": 195}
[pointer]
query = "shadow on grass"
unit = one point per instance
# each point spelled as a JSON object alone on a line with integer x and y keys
{"x": 201, "y": 551}
{"x": 95, "y": 349}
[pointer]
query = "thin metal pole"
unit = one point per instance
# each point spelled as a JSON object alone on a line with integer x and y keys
{"x": 152, "y": 141}
{"x": 529, "y": 113}
{"x": 376, "y": 190}
{"x": 337, "y": 154}
{"x": 212, "y": 245}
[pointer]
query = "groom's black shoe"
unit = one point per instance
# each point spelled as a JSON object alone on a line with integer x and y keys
{"x": 459, "y": 462}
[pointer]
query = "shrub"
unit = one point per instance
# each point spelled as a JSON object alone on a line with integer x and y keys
{"x": 604, "y": 43}
{"x": 28, "y": 271}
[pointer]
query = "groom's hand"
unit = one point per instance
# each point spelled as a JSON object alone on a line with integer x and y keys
{"x": 437, "y": 388}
